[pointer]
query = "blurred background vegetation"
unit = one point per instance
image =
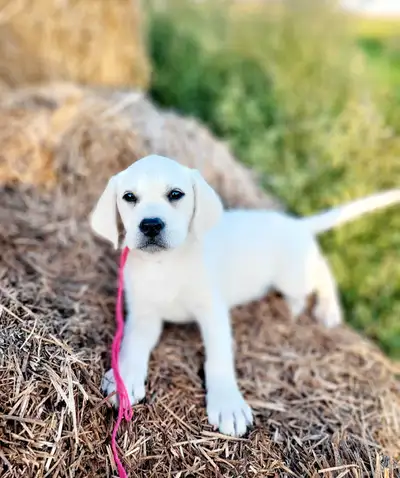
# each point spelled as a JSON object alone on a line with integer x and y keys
{"x": 308, "y": 95}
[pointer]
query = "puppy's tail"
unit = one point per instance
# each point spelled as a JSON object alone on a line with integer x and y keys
{"x": 337, "y": 216}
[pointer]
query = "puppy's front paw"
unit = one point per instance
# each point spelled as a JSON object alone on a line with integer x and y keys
{"x": 227, "y": 410}
{"x": 134, "y": 386}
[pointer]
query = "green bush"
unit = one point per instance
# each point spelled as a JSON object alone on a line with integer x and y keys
{"x": 289, "y": 91}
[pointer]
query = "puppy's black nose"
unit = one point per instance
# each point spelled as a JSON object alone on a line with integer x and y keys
{"x": 151, "y": 226}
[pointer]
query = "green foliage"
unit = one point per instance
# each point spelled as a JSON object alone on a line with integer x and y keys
{"x": 290, "y": 92}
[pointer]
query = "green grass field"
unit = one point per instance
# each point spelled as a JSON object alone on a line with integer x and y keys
{"x": 313, "y": 106}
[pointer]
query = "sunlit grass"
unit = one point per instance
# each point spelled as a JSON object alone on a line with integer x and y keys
{"x": 295, "y": 97}
{"x": 377, "y": 27}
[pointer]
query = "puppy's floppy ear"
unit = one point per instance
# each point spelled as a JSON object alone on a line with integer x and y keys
{"x": 207, "y": 204}
{"x": 103, "y": 219}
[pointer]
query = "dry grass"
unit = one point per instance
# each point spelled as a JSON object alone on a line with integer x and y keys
{"x": 87, "y": 41}
{"x": 327, "y": 403}
{"x": 324, "y": 400}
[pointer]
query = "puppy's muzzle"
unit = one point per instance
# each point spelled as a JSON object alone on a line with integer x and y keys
{"x": 151, "y": 227}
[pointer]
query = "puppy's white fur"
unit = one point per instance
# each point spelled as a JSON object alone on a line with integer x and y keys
{"x": 210, "y": 261}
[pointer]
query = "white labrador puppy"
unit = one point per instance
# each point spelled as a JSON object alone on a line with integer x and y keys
{"x": 189, "y": 260}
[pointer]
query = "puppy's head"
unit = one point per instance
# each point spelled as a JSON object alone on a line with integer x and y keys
{"x": 160, "y": 202}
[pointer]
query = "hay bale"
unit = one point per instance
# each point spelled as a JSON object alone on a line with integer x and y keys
{"x": 23, "y": 141}
{"x": 323, "y": 398}
{"x": 87, "y": 133}
{"x": 86, "y": 41}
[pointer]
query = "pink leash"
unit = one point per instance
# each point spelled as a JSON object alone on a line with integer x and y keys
{"x": 124, "y": 409}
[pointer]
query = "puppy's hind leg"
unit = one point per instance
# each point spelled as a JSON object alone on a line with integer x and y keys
{"x": 296, "y": 289}
{"x": 296, "y": 305}
{"x": 328, "y": 309}
{"x": 295, "y": 273}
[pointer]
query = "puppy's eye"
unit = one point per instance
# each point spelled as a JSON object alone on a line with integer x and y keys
{"x": 130, "y": 197}
{"x": 175, "y": 195}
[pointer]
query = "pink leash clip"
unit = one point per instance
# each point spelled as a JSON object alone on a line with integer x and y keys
{"x": 125, "y": 408}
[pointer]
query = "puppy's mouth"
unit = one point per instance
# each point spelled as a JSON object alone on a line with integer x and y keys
{"x": 153, "y": 246}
